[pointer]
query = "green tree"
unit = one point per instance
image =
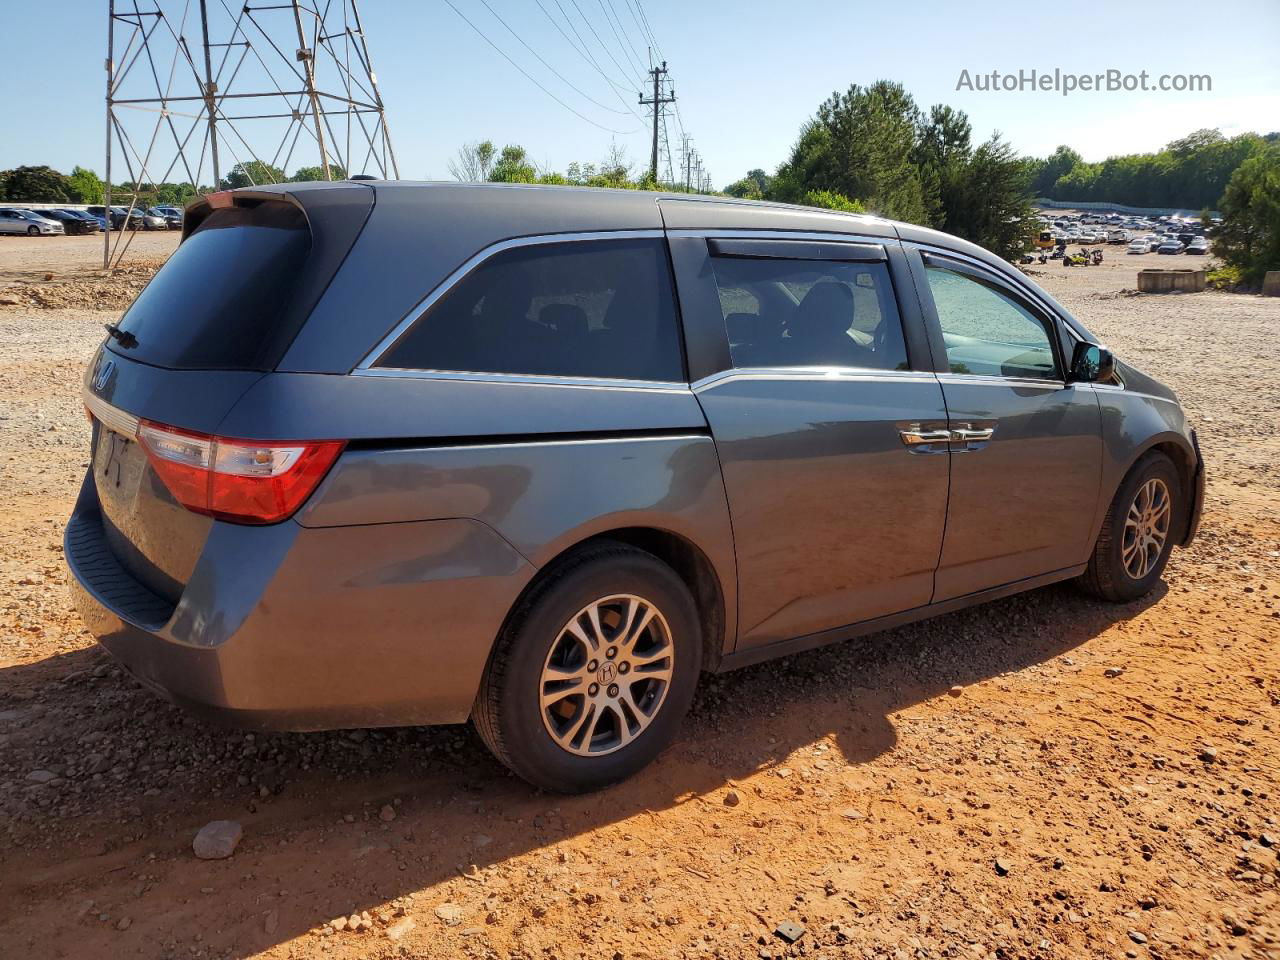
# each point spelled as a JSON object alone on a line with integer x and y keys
{"x": 35, "y": 185}
{"x": 85, "y": 187}
{"x": 1047, "y": 171}
{"x": 942, "y": 154}
{"x": 1249, "y": 236}
{"x": 860, "y": 144}
{"x": 250, "y": 174}
{"x": 513, "y": 166}
{"x": 306, "y": 174}
{"x": 990, "y": 202}
{"x": 754, "y": 186}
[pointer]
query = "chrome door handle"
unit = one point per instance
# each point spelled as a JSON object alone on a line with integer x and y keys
{"x": 914, "y": 436}
{"x": 968, "y": 434}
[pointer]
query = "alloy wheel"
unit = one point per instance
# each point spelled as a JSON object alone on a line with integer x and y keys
{"x": 1146, "y": 528}
{"x": 606, "y": 675}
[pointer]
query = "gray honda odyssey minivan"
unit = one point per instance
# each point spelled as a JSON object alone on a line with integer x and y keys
{"x": 393, "y": 453}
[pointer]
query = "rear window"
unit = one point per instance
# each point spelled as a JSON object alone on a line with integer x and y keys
{"x": 592, "y": 309}
{"x": 217, "y": 301}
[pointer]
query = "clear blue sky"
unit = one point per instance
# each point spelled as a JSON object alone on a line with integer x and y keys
{"x": 746, "y": 73}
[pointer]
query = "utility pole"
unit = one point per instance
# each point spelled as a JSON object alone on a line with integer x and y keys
{"x": 660, "y": 99}
{"x": 698, "y": 176}
{"x": 686, "y": 156}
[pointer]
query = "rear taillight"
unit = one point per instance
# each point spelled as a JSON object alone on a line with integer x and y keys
{"x": 244, "y": 481}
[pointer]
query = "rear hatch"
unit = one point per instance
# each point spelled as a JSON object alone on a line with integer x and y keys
{"x": 214, "y": 320}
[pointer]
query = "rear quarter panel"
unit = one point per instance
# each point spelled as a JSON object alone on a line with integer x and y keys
{"x": 546, "y": 495}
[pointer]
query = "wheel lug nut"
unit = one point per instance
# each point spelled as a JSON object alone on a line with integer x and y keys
{"x": 593, "y": 689}
{"x": 611, "y": 652}
{"x": 613, "y": 689}
{"x": 593, "y": 666}
{"x": 624, "y": 668}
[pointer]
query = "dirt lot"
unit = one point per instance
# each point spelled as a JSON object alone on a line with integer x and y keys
{"x": 983, "y": 785}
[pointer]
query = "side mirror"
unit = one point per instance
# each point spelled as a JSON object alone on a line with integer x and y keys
{"x": 1091, "y": 363}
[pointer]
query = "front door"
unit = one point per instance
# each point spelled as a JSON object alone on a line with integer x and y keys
{"x": 832, "y": 448}
{"x": 1026, "y": 455}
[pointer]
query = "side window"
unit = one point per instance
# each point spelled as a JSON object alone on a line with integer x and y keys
{"x": 988, "y": 333}
{"x": 809, "y": 313}
{"x": 581, "y": 309}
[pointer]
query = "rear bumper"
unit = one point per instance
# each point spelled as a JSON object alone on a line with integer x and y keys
{"x": 291, "y": 628}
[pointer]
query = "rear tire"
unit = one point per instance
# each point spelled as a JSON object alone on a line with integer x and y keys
{"x": 1138, "y": 533}
{"x": 571, "y": 708}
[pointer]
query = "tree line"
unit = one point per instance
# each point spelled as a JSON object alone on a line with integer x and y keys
{"x": 1190, "y": 174}
{"x": 872, "y": 148}
{"x": 43, "y": 184}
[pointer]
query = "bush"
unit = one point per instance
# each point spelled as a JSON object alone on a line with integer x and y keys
{"x": 1220, "y": 277}
{"x": 830, "y": 200}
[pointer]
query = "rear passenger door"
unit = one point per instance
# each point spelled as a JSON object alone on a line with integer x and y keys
{"x": 829, "y": 423}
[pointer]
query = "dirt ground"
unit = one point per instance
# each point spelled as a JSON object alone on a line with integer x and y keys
{"x": 1045, "y": 776}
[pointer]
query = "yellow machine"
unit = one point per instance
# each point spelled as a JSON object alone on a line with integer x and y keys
{"x": 1045, "y": 240}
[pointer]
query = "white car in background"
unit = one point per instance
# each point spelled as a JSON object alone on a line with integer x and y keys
{"x": 1198, "y": 245}
{"x": 15, "y": 220}
{"x": 1141, "y": 245}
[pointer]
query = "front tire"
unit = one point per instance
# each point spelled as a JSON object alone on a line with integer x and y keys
{"x": 33, "y": 231}
{"x": 1138, "y": 533}
{"x": 593, "y": 672}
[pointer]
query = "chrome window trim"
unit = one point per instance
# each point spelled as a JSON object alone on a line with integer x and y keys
{"x": 990, "y": 380}
{"x": 828, "y": 374}
{"x": 426, "y": 303}
{"x": 747, "y": 233}
{"x": 527, "y": 379}
{"x": 113, "y": 418}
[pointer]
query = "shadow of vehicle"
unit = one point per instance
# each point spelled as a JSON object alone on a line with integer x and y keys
{"x": 315, "y": 846}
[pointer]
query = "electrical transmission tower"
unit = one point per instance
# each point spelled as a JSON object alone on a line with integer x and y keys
{"x": 663, "y": 93}
{"x": 203, "y": 94}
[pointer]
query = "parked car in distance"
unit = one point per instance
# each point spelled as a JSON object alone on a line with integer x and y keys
{"x": 1198, "y": 245}
{"x": 1169, "y": 246}
{"x": 131, "y": 219}
{"x": 100, "y": 212}
{"x": 19, "y": 220}
{"x": 93, "y": 223}
{"x": 172, "y": 216}
{"x": 547, "y": 468}
{"x": 1117, "y": 236}
{"x": 71, "y": 222}
{"x": 1141, "y": 245}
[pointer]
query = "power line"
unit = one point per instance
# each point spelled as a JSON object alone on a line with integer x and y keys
{"x": 611, "y": 17}
{"x": 603, "y": 46}
{"x": 566, "y": 81}
{"x": 644, "y": 33}
{"x": 530, "y": 78}
{"x": 582, "y": 52}
{"x": 652, "y": 38}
